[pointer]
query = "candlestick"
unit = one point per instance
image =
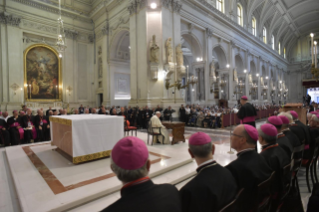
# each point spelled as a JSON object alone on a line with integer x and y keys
{"x": 311, "y": 35}
{"x": 30, "y": 91}
{"x": 56, "y": 91}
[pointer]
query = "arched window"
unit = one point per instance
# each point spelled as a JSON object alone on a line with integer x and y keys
{"x": 240, "y": 15}
{"x": 279, "y": 48}
{"x": 254, "y": 26}
{"x": 220, "y": 5}
{"x": 265, "y": 35}
{"x": 284, "y": 52}
{"x": 273, "y": 42}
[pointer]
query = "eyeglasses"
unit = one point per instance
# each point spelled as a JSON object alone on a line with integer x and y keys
{"x": 233, "y": 134}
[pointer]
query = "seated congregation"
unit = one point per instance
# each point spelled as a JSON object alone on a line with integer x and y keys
{"x": 265, "y": 181}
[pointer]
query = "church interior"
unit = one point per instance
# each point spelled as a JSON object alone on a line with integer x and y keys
{"x": 184, "y": 76}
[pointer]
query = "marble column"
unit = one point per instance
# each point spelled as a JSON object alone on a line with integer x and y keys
{"x": 231, "y": 63}
{"x": 163, "y": 22}
{"x": 248, "y": 57}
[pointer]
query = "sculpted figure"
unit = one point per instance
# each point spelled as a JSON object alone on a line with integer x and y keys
{"x": 154, "y": 51}
{"x": 179, "y": 55}
{"x": 169, "y": 50}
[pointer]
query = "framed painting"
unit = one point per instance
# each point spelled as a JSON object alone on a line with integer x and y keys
{"x": 42, "y": 74}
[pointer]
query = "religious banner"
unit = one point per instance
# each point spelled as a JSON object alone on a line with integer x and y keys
{"x": 42, "y": 74}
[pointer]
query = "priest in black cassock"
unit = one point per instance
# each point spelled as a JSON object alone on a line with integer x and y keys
{"x": 4, "y": 133}
{"x": 27, "y": 123}
{"x": 130, "y": 162}
{"x": 214, "y": 186}
{"x": 247, "y": 112}
{"x": 250, "y": 168}
{"x": 282, "y": 140}
{"x": 42, "y": 126}
{"x": 168, "y": 113}
{"x": 276, "y": 159}
{"x": 16, "y": 130}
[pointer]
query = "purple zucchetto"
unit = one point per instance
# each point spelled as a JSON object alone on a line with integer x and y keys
{"x": 244, "y": 97}
{"x": 252, "y": 132}
{"x": 294, "y": 114}
{"x": 275, "y": 120}
{"x": 284, "y": 119}
{"x": 199, "y": 138}
{"x": 130, "y": 153}
{"x": 269, "y": 129}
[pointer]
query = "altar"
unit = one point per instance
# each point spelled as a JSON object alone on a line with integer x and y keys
{"x": 82, "y": 138}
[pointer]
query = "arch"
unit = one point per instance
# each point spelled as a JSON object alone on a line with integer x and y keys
{"x": 193, "y": 44}
{"x": 253, "y": 69}
{"x": 119, "y": 45}
{"x": 239, "y": 64}
{"x": 254, "y": 26}
{"x": 219, "y": 53}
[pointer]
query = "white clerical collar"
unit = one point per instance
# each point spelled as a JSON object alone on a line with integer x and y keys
{"x": 280, "y": 134}
{"x": 206, "y": 162}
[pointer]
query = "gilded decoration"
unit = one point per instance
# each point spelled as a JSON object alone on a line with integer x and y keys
{"x": 61, "y": 121}
{"x": 42, "y": 74}
{"x": 89, "y": 157}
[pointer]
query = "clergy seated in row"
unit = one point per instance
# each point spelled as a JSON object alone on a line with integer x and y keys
{"x": 214, "y": 186}
{"x": 314, "y": 132}
{"x": 282, "y": 140}
{"x": 303, "y": 126}
{"x": 156, "y": 123}
{"x": 42, "y": 125}
{"x": 249, "y": 169}
{"x": 4, "y": 133}
{"x": 30, "y": 132}
{"x": 286, "y": 119}
{"x": 130, "y": 162}
{"x": 276, "y": 159}
{"x": 16, "y": 130}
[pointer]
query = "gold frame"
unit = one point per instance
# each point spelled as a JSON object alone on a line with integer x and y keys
{"x": 60, "y": 86}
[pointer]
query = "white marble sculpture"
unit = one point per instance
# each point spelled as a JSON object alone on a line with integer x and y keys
{"x": 212, "y": 71}
{"x": 179, "y": 55}
{"x": 169, "y": 50}
{"x": 154, "y": 51}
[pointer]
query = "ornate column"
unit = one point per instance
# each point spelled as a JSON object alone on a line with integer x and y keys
{"x": 248, "y": 56}
{"x": 162, "y": 24}
{"x": 259, "y": 71}
{"x": 231, "y": 60}
{"x": 209, "y": 97}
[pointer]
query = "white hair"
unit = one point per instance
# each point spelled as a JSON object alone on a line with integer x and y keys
{"x": 158, "y": 112}
{"x": 315, "y": 118}
{"x": 288, "y": 115}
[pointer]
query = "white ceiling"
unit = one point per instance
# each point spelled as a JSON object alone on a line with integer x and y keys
{"x": 287, "y": 20}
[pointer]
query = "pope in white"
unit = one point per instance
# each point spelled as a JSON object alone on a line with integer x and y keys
{"x": 156, "y": 122}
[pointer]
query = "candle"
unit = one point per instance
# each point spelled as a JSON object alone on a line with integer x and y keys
{"x": 56, "y": 91}
{"x": 30, "y": 90}
{"x": 21, "y": 96}
{"x": 311, "y": 35}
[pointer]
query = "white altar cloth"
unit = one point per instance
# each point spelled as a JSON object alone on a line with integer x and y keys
{"x": 86, "y": 137}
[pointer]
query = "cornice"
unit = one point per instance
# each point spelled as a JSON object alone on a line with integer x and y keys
{"x": 51, "y": 9}
{"x": 206, "y": 8}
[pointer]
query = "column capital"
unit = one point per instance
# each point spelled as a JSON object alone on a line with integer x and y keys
{"x": 9, "y": 19}
{"x": 209, "y": 32}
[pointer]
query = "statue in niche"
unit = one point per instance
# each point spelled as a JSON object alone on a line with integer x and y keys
{"x": 154, "y": 51}
{"x": 250, "y": 79}
{"x": 235, "y": 75}
{"x": 179, "y": 55}
{"x": 169, "y": 50}
{"x": 100, "y": 50}
{"x": 212, "y": 71}
{"x": 100, "y": 69}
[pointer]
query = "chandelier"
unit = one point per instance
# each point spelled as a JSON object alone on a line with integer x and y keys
{"x": 61, "y": 42}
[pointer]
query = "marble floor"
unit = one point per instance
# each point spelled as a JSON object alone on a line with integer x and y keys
{"x": 37, "y": 178}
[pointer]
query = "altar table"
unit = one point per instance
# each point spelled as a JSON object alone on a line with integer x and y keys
{"x": 86, "y": 137}
{"x": 178, "y": 129}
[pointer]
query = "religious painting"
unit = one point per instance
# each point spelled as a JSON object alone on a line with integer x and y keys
{"x": 42, "y": 74}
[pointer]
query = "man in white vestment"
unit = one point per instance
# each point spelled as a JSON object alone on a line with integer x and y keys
{"x": 156, "y": 122}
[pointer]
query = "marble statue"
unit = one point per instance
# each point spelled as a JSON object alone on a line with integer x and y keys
{"x": 100, "y": 69}
{"x": 154, "y": 51}
{"x": 250, "y": 79}
{"x": 169, "y": 50}
{"x": 235, "y": 75}
{"x": 212, "y": 71}
{"x": 179, "y": 55}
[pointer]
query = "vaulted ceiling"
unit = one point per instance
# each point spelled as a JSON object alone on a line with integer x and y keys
{"x": 287, "y": 20}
